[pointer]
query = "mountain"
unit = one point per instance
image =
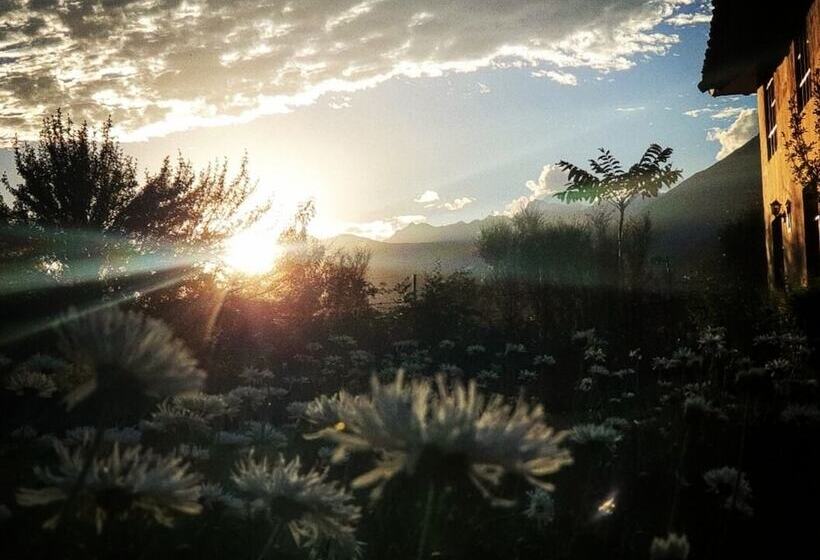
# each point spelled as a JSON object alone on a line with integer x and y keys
{"x": 687, "y": 223}
{"x": 688, "y": 220}
{"x": 391, "y": 262}
{"x": 468, "y": 231}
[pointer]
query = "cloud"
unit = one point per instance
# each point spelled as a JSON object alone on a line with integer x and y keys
{"x": 695, "y": 113}
{"x": 729, "y": 113}
{"x": 431, "y": 199}
{"x": 551, "y": 180}
{"x": 381, "y": 229}
{"x": 736, "y": 135}
{"x": 458, "y": 203}
{"x": 427, "y": 198}
{"x": 159, "y": 66}
{"x": 630, "y": 109}
{"x": 563, "y": 78}
{"x": 717, "y": 114}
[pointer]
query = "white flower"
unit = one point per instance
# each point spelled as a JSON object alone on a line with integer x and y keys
{"x": 474, "y": 349}
{"x": 408, "y": 425}
{"x": 314, "y": 347}
{"x": 192, "y": 452}
{"x": 596, "y": 369}
{"x": 85, "y": 436}
{"x": 673, "y": 547}
{"x": 585, "y": 385}
{"x": 213, "y": 497}
{"x": 731, "y": 486}
{"x": 360, "y": 358}
{"x": 342, "y": 340}
{"x": 540, "y": 507}
{"x": 177, "y": 422}
{"x": 125, "y": 351}
{"x": 450, "y": 370}
{"x": 315, "y": 510}
{"x": 128, "y": 483}
{"x": 263, "y": 433}
{"x": 712, "y": 341}
{"x": 527, "y": 376}
{"x": 595, "y": 434}
{"x": 30, "y": 382}
{"x": 543, "y": 360}
{"x": 233, "y": 439}
{"x": 255, "y": 376}
{"x": 297, "y": 409}
{"x": 205, "y": 405}
{"x": 514, "y": 348}
{"x": 446, "y": 344}
{"x": 801, "y": 415}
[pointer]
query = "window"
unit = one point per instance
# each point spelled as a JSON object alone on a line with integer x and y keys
{"x": 770, "y": 102}
{"x": 802, "y": 70}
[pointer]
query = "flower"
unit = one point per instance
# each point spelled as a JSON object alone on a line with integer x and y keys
{"x": 30, "y": 382}
{"x": 712, "y": 341}
{"x": 732, "y": 486}
{"x": 596, "y": 369}
{"x": 177, "y": 422}
{"x": 585, "y": 385}
{"x": 450, "y": 370}
{"x": 687, "y": 356}
{"x": 134, "y": 482}
{"x": 446, "y": 344}
{"x": 360, "y": 358}
{"x": 250, "y": 398}
{"x": 474, "y": 349}
{"x": 512, "y": 347}
{"x": 315, "y": 510}
{"x": 595, "y": 434}
{"x": 543, "y": 360}
{"x": 801, "y": 415}
{"x": 125, "y": 351}
{"x": 527, "y": 376}
{"x": 255, "y": 376}
{"x": 205, "y": 405}
{"x": 192, "y": 452}
{"x": 213, "y": 497}
{"x": 342, "y": 340}
{"x": 540, "y": 507}
{"x": 456, "y": 431}
{"x": 673, "y": 547}
{"x": 263, "y": 433}
{"x": 85, "y": 435}
{"x": 664, "y": 364}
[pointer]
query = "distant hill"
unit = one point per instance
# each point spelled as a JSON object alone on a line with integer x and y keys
{"x": 468, "y": 231}
{"x": 391, "y": 262}
{"x": 688, "y": 219}
{"x": 687, "y": 223}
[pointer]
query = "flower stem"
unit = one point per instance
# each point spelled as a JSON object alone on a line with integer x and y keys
{"x": 428, "y": 515}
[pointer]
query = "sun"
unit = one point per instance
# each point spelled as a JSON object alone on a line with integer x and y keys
{"x": 251, "y": 252}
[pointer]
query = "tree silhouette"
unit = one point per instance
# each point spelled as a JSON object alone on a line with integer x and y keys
{"x": 74, "y": 181}
{"x": 608, "y": 182}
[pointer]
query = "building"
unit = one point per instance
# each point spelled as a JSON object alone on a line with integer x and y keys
{"x": 770, "y": 49}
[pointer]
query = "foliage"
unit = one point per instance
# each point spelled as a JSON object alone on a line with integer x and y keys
{"x": 609, "y": 183}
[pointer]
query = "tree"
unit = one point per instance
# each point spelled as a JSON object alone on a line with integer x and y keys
{"x": 610, "y": 184}
{"x": 81, "y": 192}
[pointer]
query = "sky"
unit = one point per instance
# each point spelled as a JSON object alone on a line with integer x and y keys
{"x": 384, "y": 112}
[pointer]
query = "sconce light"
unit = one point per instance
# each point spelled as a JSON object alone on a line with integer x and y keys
{"x": 776, "y": 208}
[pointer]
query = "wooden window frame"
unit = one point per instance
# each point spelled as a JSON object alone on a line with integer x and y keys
{"x": 770, "y": 116}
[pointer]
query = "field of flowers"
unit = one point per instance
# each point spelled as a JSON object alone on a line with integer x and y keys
{"x": 119, "y": 445}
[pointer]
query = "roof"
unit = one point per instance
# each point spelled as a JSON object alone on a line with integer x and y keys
{"x": 747, "y": 41}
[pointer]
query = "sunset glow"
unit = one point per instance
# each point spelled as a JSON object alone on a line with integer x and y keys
{"x": 251, "y": 252}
